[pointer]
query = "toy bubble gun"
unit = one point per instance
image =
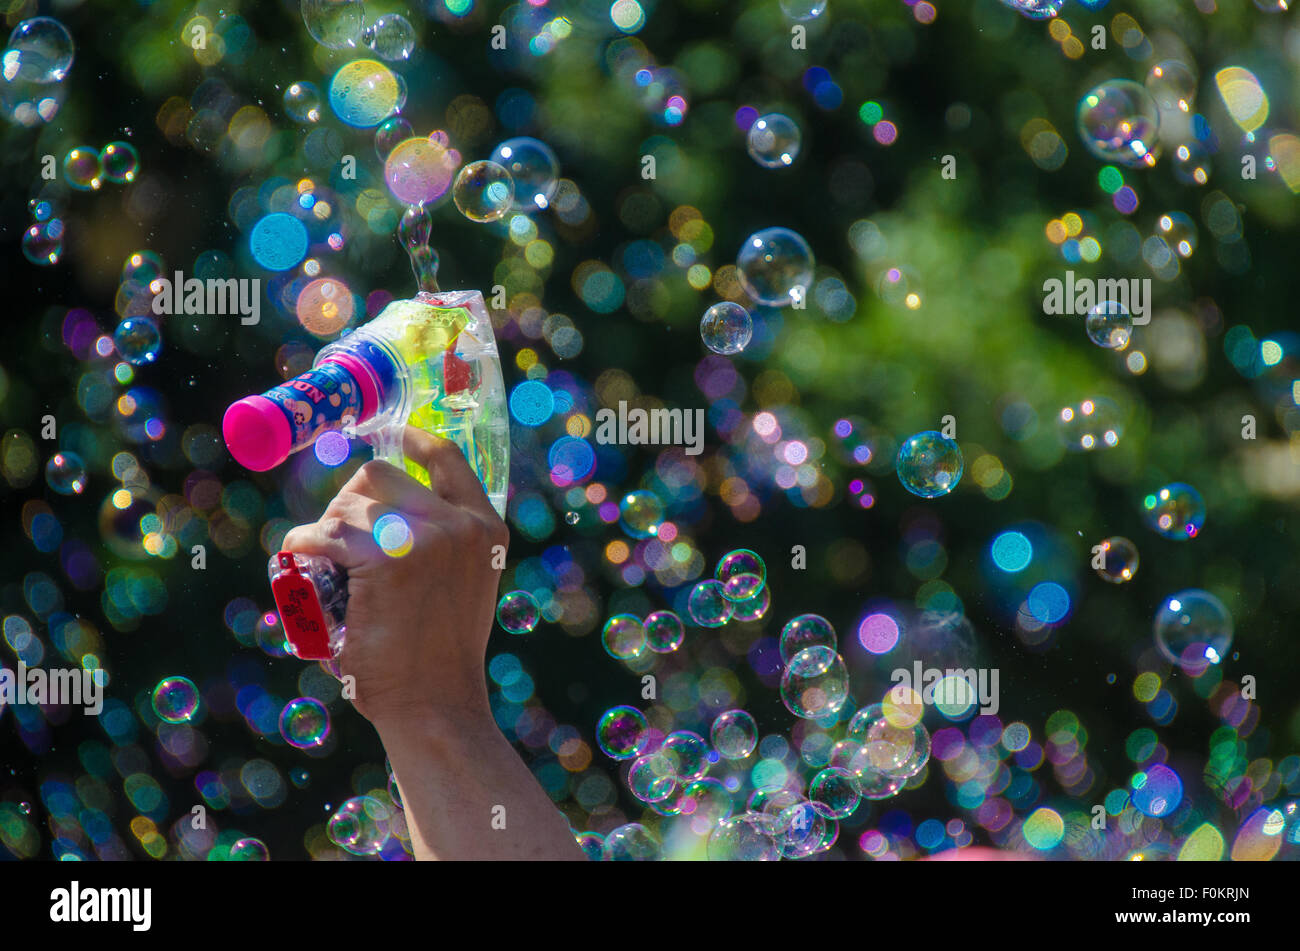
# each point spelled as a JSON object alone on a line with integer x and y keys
{"x": 431, "y": 362}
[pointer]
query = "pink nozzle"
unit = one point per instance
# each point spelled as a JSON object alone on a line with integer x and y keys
{"x": 257, "y": 433}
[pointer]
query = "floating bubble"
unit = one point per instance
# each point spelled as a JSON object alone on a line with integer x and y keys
{"x": 806, "y": 630}
{"x": 82, "y": 169}
{"x": 278, "y": 242}
{"x": 1090, "y": 425}
{"x": 591, "y": 843}
{"x": 640, "y": 514}
{"x": 393, "y": 535}
{"x": 65, "y": 473}
{"x": 726, "y": 328}
{"x": 624, "y": 637}
{"x": 249, "y": 849}
{"x": 361, "y": 825}
{"x": 389, "y": 134}
{"x": 175, "y": 699}
{"x": 43, "y": 242}
{"x": 803, "y": 9}
{"x": 1176, "y": 511}
{"x": 742, "y": 573}
{"x": 773, "y": 141}
{"x": 304, "y": 723}
{"x": 734, "y": 734}
{"x": 517, "y": 612}
{"x": 1193, "y": 630}
{"x": 775, "y": 266}
{"x": 895, "y": 748}
{"x": 631, "y": 843}
{"x": 1118, "y": 122}
{"x": 744, "y": 838}
{"x": 929, "y": 464}
{"x": 332, "y": 449}
{"x": 325, "y": 306}
{"x": 1172, "y": 85}
{"x": 664, "y": 632}
{"x": 622, "y": 733}
{"x": 1119, "y": 560}
{"x": 1109, "y": 325}
{"x": 815, "y": 683}
{"x": 533, "y": 168}
{"x": 1157, "y": 791}
{"x": 40, "y": 50}
{"x": 804, "y": 831}
{"x": 138, "y": 340}
{"x": 142, "y": 267}
{"x": 688, "y": 753}
{"x": 334, "y": 24}
{"x": 420, "y": 170}
{"x": 708, "y": 606}
{"x": 302, "y": 102}
{"x": 1178, "y": 231}
{"x": 390, "y": 37}
{"x": 1036, "y": 9}
{"x": 24, "y": 102}
{"x": 120, "y": 162}
{"x": 652, "y": 778}
{"x": 753, "y": 607}
{"x": 484, "y": 191}
{"x": 834, "y": 793}
{"x": 364, "y": 93}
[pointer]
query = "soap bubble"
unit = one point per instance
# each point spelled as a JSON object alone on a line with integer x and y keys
{"x": 40, "y": 50}
{"x": 420, "y": 170}
{"x": 896, "y": 749}
{"x": 631, "y": 843}
{"x": 517, "y": 612}
{"x": 624, "y": 636}
{"x": 803, "y": 9}
{"x": 120, "y": 162}
{"x": 726, "y": 328}
{"x": 622, "y": 733}
{"x": 302, "y": 102}
{"x": 390, "y": 37}
{"x": 1178, "y": 231}
{"x": 753, "y": 607}
{"x": 484, "y": 191}
{"x": 65, "y": 473}
{"x": 43, "y": 242}
{"x": 708, "y": 606}
{"x": 652, "y": 778}
{"x": 744, "y": 838}
{"x": 175, "y": 699}
{"x": 391, "y": 133}
{"x": 834, "y": 793}
{"x": 806, "y": 630}
{"x": 361, "y": 826}
{"x": 742, "y": 573}
{"x": 1119, "y": 560}
{"x": 1176, "y": 511}
{"x": 1172, "y": 85}
{"x": 1157, "y": 791}
{"x": 142, "y": 268}
{"x": 805, "y": 831}
{"x": 773, "y": 141}
{"x": 364, "y": 93}
{"x": 688, "y": 753}
{"x": 1118, "y": 122}
{"x": 1036, "y": 9}
{"x": 775, "y": 265}
{"x": 82, "y": 169}
{"x": 640, "y": 513}
{"x": 734, "y": 734}
{"x": 929, "y": 464}
{"x": 249, "y": 849}
{"x": 815, "y": 683}
{"x": 1193, "y": 630}
{"x": 304, "y": 723}
{"x": 591, "y": 844}
{"x": 138, "y": 340}
{"x": 278, "y": 241}
{"x": 664, "y": 632}
{"x": 533, "y": 168}
{"x": 325, "y": 306}
{"x": 334, "y": 24}
{"x": 1090, "y": 425}
{"x": 28, "y": 103}
{"x": 1109, "y": 325}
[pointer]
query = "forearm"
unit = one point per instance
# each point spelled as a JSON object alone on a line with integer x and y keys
{"x": 467, "y": 794}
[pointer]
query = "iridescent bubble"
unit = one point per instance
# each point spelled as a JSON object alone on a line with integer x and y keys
{"x": 804, "y": 831}
{"x": 278, "y": 242}
{"x": 249, "y": 849}
{"x": 1157, "y": 791}
{"x": 929, "y": 464}
{"x": 334, "y": 24}
{"x": 871, "y": 782}
{"x": 325, "y": 306}
{"x": 773, "y": 141}
{"x": 364, "y": 93}
{"x": 420, "y": 170}
{"x": 1178, "y": 231}
{"x": 1193, "y": 630}
{"x": 640, "y": 514}
{"x": 803, "y": 9}
{"x": 806, "y": 630}
{"x": 65, "y": 473}
{"x": 775, "y": 266}
{"x": 893, "y": 749}
{"x": 1036, "y": 9}
{"x": 43, "y": 242}
{"x": 688, "y": 753}
{"x": 517, "y": 612}
{"x": 138, "y": 340}
{"x": 142, "y": 267}
{"x": 484, "y": 191}
{"x": 82, "y": 169}
{"x": 734, "y": 734}
{"x": 1173, "y": 85}
{"x": 622, "y": 733}
{"x": 391, "y": 133}
{"x": 361, "y": 825}
{"x": 708, "y": 606}
{"x": 1091, "y": 425}
{"x": 304, "y": 723}
{"x": 631, "y": 843}
{"x": 744, "y": 838}
{"x": 1109, "y": 325}
{"x": 726, "y": 328}
{"x": 815, "y": 683}
{"x": 390, "y": 37}
{"x": 707, "y": 800}
{"x": 624, "y": 636}
{"x": 40, "y": 50}
{"x": 533, "y": 168}
{"x": 1118, "y": 560}
{"x": 591, "y": 843}
{"x": 24, "y": 102}
{"x": 742, "y": 573}
{"x": 41, "y": 209}
{"x": 175, "y": 699}
{"x": 652, "y": 777}
{"x": 1118, "y": 122}
{"x": 1176, "y": 511}
{"x": 753, "y": 607}
{"x": 393, "y": 535}
{"x": 302, "y": 102}
{"x": 664, "y": 632}
{"x": 834, "y": 793}
{"x": 120, "y": 162}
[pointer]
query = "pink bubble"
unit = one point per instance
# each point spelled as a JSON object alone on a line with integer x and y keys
{"x": 878, "y": 633}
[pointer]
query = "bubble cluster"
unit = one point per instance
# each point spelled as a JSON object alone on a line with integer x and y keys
{"x": 361, "y": 825}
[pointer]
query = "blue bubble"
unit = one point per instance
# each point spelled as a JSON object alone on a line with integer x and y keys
{"x": 571, "y": 460}
{"x": 1157, "y": 792}
{"x": 532, "y": 403}
{"x": 278, "y": 242}
{"x": 1012, "y": 552}
{"x": 1048, "y": 602}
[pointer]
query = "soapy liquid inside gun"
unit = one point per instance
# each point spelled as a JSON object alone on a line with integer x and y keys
{"x": 430, "y": 361}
